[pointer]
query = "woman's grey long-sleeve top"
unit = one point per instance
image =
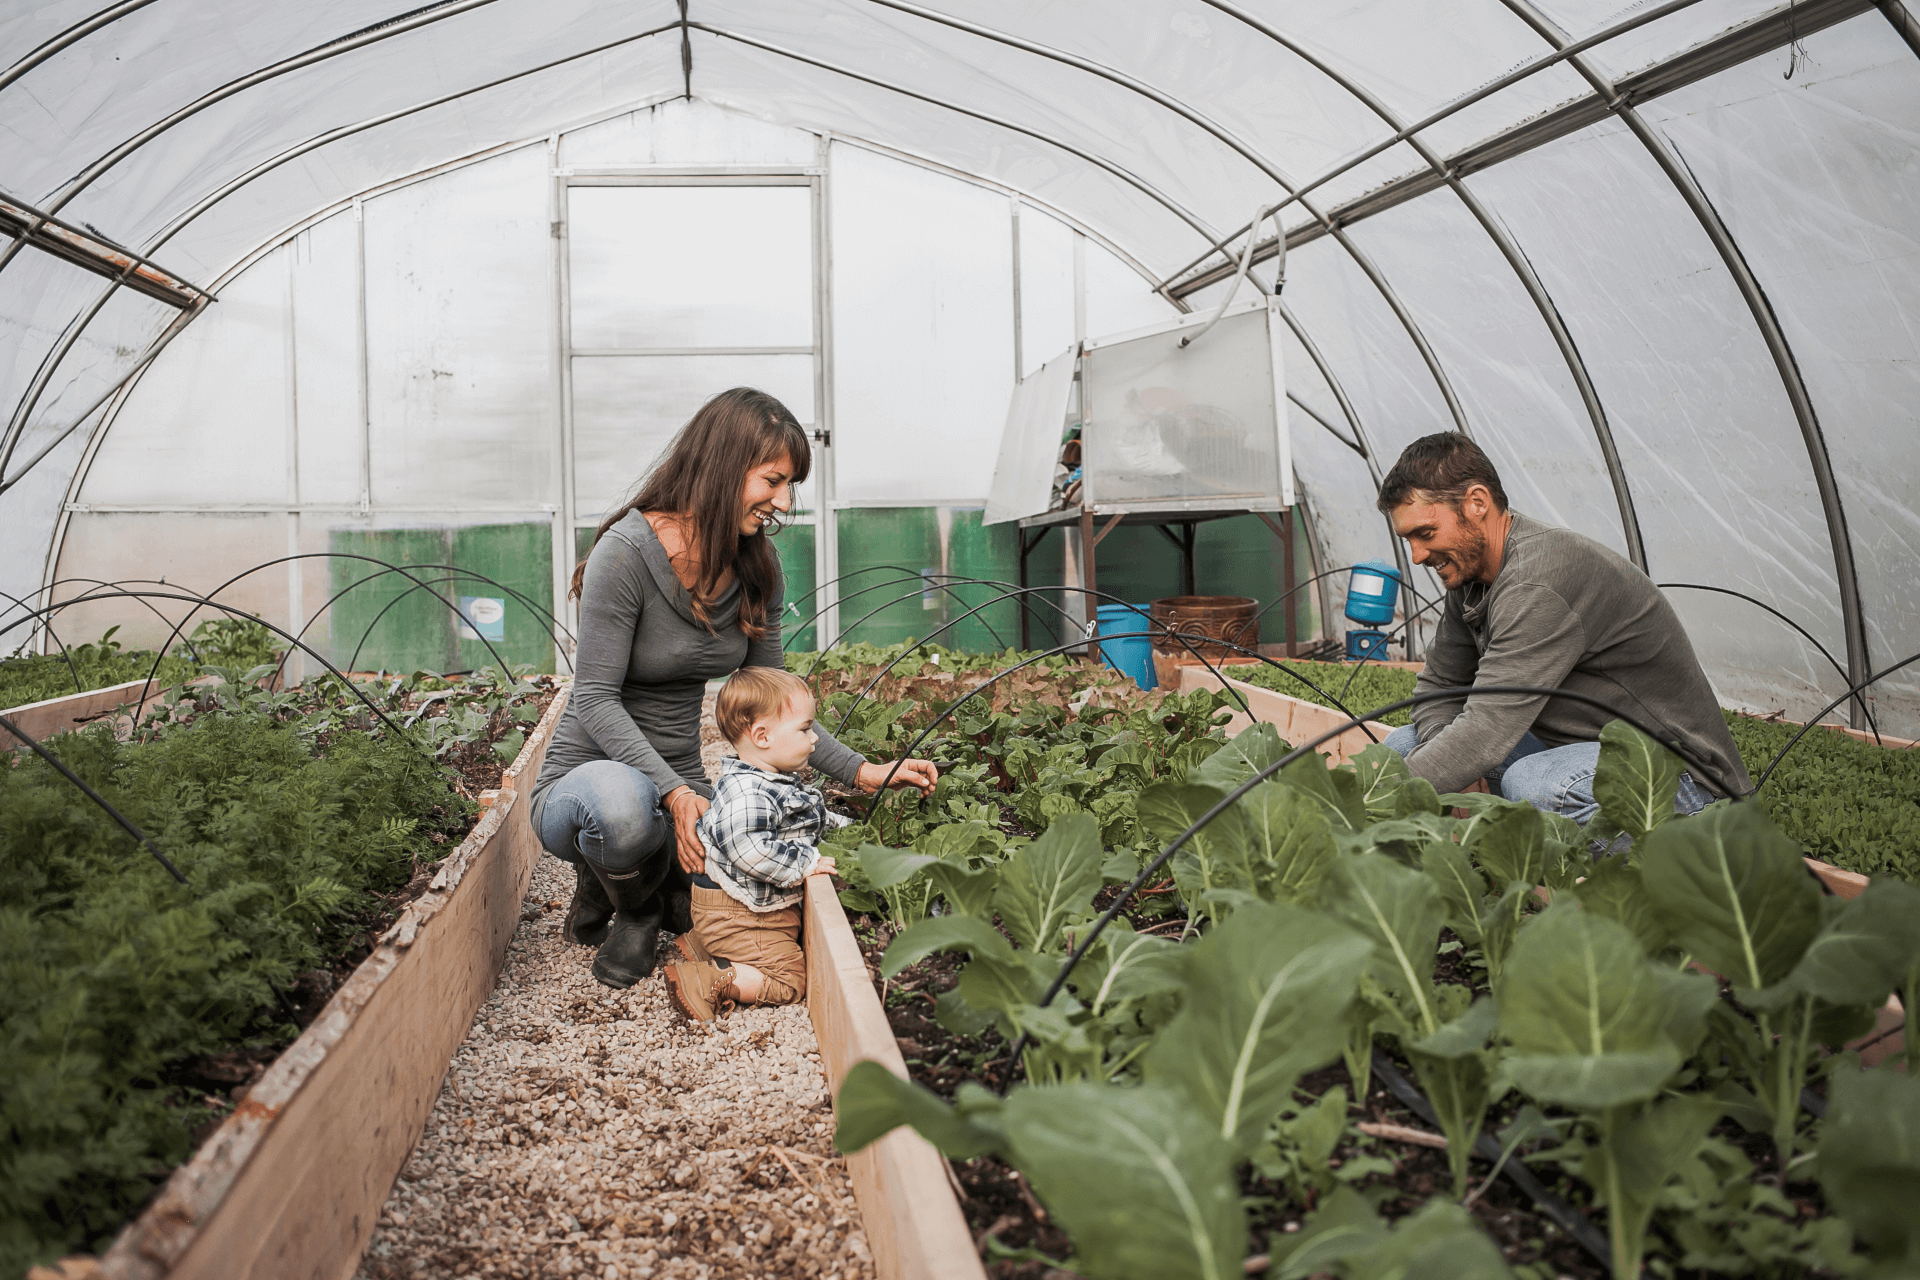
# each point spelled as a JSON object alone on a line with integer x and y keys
{"x": 642, "y": 665}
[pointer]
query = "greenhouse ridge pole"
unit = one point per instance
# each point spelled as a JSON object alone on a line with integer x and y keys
{"x": 368, "y": 35}
{"x": 1457, "y": 105}
{"x": 1736, "y": 45}
{"x": 1903, "y": 22}
{"x": 1846, "y": 576}
{"x": 1522, "y": 267}
{"x": 72, "y": 35}
{"x": 1138, "y": 183}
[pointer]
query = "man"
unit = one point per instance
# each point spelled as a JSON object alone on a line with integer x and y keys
{"x": 1529, "y": 604}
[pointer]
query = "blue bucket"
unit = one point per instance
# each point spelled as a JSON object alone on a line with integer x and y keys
{"x": 1133, "y": 656}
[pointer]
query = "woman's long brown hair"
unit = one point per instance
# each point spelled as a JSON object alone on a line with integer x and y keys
{"x": 702, "y": 475}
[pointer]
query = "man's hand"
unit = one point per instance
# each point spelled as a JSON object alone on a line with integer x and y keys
{"x": 687, "y": 805}
{"x": 910, "y": 773}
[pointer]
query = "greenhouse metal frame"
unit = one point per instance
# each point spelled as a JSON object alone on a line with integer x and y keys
{"x": 1717, "y": 173}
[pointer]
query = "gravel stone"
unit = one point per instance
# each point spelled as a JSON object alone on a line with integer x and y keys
{"x": 589, "y": 1132}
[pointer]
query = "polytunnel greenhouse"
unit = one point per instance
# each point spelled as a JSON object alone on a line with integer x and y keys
{"x": 1315, "y": 604}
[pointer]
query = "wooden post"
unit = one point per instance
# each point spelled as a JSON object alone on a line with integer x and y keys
{"x": 1020, "y": 533}
{"x": 1189, "y": 585}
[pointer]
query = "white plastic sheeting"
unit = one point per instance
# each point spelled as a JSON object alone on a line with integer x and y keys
{"x": 213, "y": 133}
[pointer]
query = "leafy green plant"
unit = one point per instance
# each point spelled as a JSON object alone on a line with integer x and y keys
{"x": 1587, "y": 1008}
{"x": 1850, "y": 803}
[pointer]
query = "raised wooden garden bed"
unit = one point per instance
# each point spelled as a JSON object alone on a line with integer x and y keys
{"x": 1295, "y": 720}
{"x": 41, "y": 720}
{"x": 292, "y": 1183}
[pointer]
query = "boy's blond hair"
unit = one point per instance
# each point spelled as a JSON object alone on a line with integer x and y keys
{"x": 752, "y": 694}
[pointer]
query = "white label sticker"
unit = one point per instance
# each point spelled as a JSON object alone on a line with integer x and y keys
{"x": 1368, "y": 584}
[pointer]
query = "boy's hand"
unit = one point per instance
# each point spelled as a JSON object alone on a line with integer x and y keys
{"x": 824, "y": 867}
{"x": 919, "y": 774}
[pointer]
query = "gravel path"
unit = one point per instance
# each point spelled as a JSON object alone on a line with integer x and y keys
{"x": 590, "y": 1132}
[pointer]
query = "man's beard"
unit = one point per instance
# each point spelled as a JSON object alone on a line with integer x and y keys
{"x": 1470, "y": 558}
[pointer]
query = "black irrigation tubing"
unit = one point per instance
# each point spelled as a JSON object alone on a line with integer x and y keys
{"x": 1813, "y": 721}
{"x": 944, "y": 581}
{"x": 268, "y": 564}
{"x": 1299, "y": 753}
{"x": 446, "y": 580}
{"x": 79, "y": 685}
{"x": 1328, "y": 573}
{"x": 96, "y": 797}
{"x": 121, "y": 582}
{"x": 1184, "y": 638}
{"x": 230, "y": 611}
{"x": 1563, "y": 1215}
{"x": 950, "y": 583}
{"x": 951, "y": 588}
{"x": 477, "y": 577}
{"x": 1284, "y": 669}
{"x": 1804, "y": 634}
{"x": 1187, "y": 640}
{"x": 880, "y": 792}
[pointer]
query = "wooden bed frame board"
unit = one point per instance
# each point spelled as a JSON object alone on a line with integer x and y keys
{"x": 903, "y": 1186}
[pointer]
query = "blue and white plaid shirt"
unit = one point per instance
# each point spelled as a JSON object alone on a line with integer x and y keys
{"x": 762, "y": 833}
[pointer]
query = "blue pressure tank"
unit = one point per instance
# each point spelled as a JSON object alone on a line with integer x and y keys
{"x": 1372, "y": 588}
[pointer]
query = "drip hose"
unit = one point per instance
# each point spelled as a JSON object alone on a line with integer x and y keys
{"x": 1299, "y": 753}
{"x": 96, "y": 797}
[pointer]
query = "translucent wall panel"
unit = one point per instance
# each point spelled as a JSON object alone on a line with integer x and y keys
{"x": 1500, "y": 356}
{"x": 460, "y": 362}
{"x": 1047, "y": 297}
{"x": 326, "y": 353}
{"x": 626, "y": 409}
{"x": 1169, "y": 423}
{"x": 781, "y": 89}
{"x": 406, "y": 67}
{"x": 522, "y": 108}
{"x": 923, "y": 353}
{"x": 685, "y": 132}
{"x": 1118, "y": 299}
{"x": 208, "y": 421}
{"x": 1717, "y": 464}
{"x": 1838, "y": 259}
{"x": 691, "y": 266}
{"x": 193, "y": 552}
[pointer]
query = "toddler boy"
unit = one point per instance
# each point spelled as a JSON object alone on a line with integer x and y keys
{"x": 761, "y": 835}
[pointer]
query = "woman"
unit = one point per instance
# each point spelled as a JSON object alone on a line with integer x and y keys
{"x": 682, "y": 586}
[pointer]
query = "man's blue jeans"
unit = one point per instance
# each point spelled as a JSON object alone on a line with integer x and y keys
{"x": 1556, "y": 779}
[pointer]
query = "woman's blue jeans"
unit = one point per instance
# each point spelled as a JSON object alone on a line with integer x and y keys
{"x": 607, "y": 813}
{"x": 1556, "y": 779}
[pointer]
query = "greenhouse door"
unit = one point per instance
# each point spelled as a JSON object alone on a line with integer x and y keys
{"x": 676, "y": 287}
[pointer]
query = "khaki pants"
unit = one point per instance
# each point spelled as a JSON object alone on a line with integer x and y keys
{"x": 767, "y": 940}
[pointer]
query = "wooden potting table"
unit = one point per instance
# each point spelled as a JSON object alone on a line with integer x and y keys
{"x": 1096, "y": 520}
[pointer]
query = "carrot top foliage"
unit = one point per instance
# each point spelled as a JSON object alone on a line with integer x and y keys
{"x": 286, "y": 819}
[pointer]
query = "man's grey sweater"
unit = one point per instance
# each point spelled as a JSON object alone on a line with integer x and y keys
{"x": 642, "y": 666}
{"x": 1564, "y": 612}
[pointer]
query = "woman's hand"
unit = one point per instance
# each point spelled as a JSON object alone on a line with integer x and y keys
{"x": 686, "y": 805}
{"x": 910, "y": 773}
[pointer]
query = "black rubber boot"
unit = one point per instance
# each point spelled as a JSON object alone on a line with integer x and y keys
{"x": 590, "y": 912}
{"x": 676, "y": 900}
{"x": 627, "y": 955}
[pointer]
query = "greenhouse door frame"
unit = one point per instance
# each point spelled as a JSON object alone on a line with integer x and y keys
{"x": 815, "y": 510}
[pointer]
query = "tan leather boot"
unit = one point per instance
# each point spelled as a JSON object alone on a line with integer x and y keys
{"x": 700, "y": 990}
